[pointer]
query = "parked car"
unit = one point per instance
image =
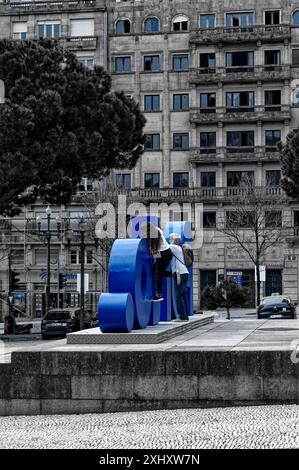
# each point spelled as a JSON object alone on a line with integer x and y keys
{"x": 277, "y": 306}
{"x": 59, "y": 321}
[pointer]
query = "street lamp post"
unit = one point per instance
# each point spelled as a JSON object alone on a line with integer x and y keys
{"x": 82, "y": 228}
{"x": 48, "y": 234}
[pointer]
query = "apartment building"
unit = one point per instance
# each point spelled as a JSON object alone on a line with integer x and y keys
{"x": 218, "y": 82}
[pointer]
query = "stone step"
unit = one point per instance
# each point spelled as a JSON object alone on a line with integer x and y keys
{"x": 150, "y": 335}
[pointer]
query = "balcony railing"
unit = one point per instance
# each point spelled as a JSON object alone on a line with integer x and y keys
{"x": 233, "y": 154}
{"x": 263, "y": 33}
{"x": 279, "y": 112}
{"x": 51, "y": 4}
{"x": 209, "y": 194}
{"x": 248, "y": 74}
{"x": 79, "y": 42}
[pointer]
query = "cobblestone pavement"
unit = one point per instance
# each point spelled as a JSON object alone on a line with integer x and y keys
{"x": 244, "y": 427}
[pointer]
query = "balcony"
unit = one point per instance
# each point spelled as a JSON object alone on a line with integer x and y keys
{"x": 244, "y": 74}
{"x": 79, "y": 42}
{"x": 231, "y": 35}
{"x": 234, "y": 154}
{"x": 51, "y": 5}
{"x": 273, "y": 113}
{"x": 206, "y": 195}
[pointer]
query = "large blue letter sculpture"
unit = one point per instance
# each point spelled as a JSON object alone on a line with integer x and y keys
{"x": 129, "y": 305}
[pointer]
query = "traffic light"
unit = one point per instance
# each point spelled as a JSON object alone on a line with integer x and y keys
{"x": 62, "y": 281}
{"x": 14, "y": 280}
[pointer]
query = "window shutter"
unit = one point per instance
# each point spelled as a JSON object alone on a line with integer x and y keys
{"x": 82, "y": 27}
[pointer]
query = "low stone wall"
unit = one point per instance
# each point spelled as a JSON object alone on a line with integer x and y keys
{"x": 91, "y": 382}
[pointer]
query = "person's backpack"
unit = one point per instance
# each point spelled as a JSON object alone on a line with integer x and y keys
{"x": 188, "y": 256}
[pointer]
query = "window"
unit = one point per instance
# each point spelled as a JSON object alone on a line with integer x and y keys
{"x": 240, "y": 220}
{"x": 272, "y": 17}
{"x": 240, "y": 101}
{"x": 181, "y": 141}
{"x": 151, "y": 25}
{"x": 181, "y": 102}
{"x": 273, "y": 219}
{"x": 272, "y": 57}
{"x": 19, "y": 30}
{"x": 295, "y": 56}
{"x": 207, "y": 61}
{"x": 123, "y": 180}
{"x": 151, "y": 103}
{"x": 86, "y": 184}
{"x": 296, "y": 98}
{"x": 152, "y": 180}
{"x": 209, "y": 219}
{"x": 181, "y": 180}
{"x": 87, "y": 61}
{"x": 180, "y": 62}
{"x": 44, "y": 220}
{"x": 272, "y": 138}
{"x": 240, "y": 141}
{"x": 208, "y": 102}
{"x": 152, "y": 142}
{"x": 273, "y": 177}
{"x": 240, "y": 20}
{"x": 272, "y": 100}
{"x": 76, "y": 257}
{"x": 296, "y": 18}
{"x": 240, "y": 59}
{"x": 122, "y": 64}
{"x": 208, "y": 179}
{"x": 181, "y": 23}
{"x": 239, "y": 178}
{"x": 82, "y": 27}
{"x": 48, "y": 29}
{"x": 207, "y": 21}
{"x": 123, "y": 27}
{"x": 208, "y": 142}
{"x": 151, "y": 63}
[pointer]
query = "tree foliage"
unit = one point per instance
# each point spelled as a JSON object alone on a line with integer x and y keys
{"x": 60, "y": 122}
{"x": 289, "y": 155}
{"x": 227, "y": 294}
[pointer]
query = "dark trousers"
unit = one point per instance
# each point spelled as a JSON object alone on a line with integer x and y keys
{"x": 180, "y": 294}
{"x": 160, "y": 268}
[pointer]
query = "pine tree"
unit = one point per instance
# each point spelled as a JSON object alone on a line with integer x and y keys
{"x": 60, "y": 122}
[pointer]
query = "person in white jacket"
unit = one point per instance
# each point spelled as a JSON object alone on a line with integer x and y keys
{"x": 181, "y": 275}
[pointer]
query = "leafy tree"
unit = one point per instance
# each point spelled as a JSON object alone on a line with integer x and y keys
{"x": 289, "y": 155}
{"x": 227, "y": 294}
{"x": 60, "y": 122}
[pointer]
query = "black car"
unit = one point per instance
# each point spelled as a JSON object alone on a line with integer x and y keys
{"x": 60, "y": 321}
{"x": 275, "y": 307}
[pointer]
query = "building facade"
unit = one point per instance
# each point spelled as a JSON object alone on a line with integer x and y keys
{"x": 218, "y": 82}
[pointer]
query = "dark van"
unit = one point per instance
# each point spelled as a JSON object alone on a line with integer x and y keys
{"x": 60, "y": 321}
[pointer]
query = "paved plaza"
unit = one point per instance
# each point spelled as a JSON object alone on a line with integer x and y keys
{"x": 269, "y": 427}
{"x": 222, "y": 335}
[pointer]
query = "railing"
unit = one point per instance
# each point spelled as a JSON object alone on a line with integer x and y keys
{"x": 79, "y": 42}
{"x": 251, "y": 153}
{"x": 277, "y": 112}
{"x": 239, "y": 33}
{"x": 240, "y": 73}
{"x": 186, "y": 194}
{"x": 50, "y": 4}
